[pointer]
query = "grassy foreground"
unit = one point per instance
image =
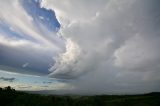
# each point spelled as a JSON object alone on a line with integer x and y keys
{"x": 10, "y": 97}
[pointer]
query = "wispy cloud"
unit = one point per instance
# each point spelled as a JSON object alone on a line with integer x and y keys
{"x": 25, "y": 65}
{"x": 25, "y": 37}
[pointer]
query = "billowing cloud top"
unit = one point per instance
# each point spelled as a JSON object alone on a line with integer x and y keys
{"x": 112, "y": 45}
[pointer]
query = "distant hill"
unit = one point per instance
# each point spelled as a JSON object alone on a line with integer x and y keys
{"x": 10, "y": 97}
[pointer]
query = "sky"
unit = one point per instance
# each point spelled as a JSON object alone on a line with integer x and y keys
{"x": 80, "y": 46}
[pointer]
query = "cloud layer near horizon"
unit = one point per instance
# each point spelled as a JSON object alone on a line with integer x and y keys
{"x": 112, "y": 45}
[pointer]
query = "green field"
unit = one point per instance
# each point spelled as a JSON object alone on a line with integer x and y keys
{"x": 10, "y": 97}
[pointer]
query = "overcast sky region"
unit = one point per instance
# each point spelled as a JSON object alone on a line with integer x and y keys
{"x": 80, "y": 46}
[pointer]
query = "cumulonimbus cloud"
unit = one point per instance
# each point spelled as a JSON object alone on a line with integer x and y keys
{"x": 113, "y": 45}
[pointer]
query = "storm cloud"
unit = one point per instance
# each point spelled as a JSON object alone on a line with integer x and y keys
{"x": 112, "y": 46}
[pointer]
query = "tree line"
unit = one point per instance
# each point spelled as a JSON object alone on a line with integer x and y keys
{"x": 11, "y": 97}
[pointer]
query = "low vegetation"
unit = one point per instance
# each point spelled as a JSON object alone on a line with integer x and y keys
{"x": 10, "y": 97}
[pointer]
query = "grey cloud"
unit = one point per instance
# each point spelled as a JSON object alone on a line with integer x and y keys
{"x": 7, "y": 79}
{"x": 45, "y": 86}
{"x": 38, "y": 60}
{"x": 48, "y": 82}
{"x": 23, "y": 86}
{"x": 114, "y": 50}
